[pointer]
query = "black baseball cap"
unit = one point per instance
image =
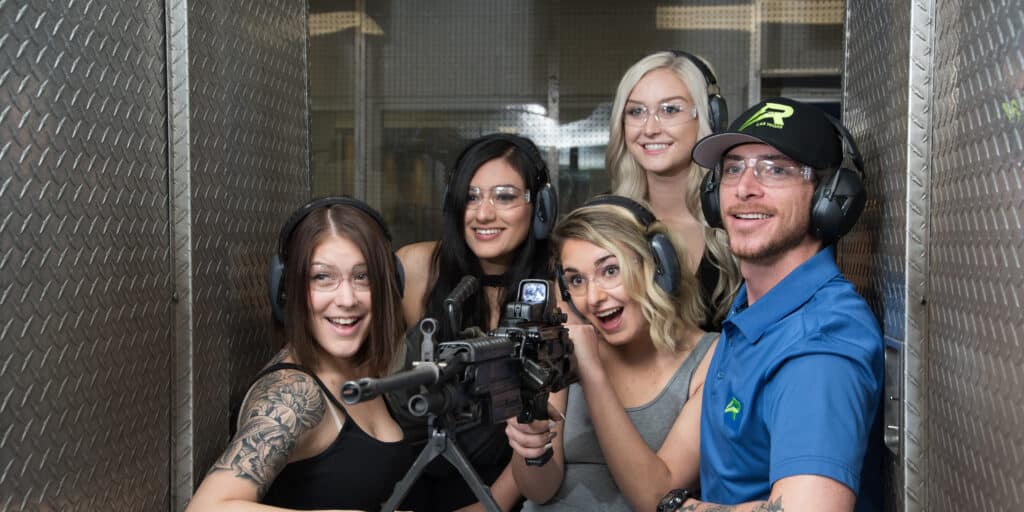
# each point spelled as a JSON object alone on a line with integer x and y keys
{"x": 800, "y": 131}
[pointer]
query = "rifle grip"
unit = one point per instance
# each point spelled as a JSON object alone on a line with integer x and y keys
{"x": 543, "y": 459}
{"x": 526, "y": 416}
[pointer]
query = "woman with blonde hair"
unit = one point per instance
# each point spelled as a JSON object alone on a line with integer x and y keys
{"x": 631, "y": 429}
{"x": 648, "y": 158}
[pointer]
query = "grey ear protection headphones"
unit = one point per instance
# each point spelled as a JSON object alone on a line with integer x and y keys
{"x": 544, "y": 201}
{"x": 667, "y": 269}
{"x": 275, "y": 276}
{"x": 835, "y": 206}
{"x": 718, "y": 111}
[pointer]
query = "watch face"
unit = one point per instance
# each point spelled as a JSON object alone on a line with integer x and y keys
{"x": 673, "y": 500}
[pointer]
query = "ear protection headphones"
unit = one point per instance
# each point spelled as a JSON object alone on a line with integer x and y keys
{"x": 667, "y": 269}
{"x": 545, "y": 200}
{"x": 275, "y": 276}
{"x": 836, "y": 204}
{"x": 718, "y": 111}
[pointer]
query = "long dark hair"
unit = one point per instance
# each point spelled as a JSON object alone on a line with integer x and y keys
{"x": 453, "y": 258}
{"x": 383, "y": 347}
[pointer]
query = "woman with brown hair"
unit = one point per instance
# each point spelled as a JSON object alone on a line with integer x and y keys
{"x": 335, "y": 289}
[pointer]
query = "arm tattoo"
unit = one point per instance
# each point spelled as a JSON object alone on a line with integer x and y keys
{"x": 769, "y": 506}
{"x": 282, "y": 406}
{"x": 766, "y": 506}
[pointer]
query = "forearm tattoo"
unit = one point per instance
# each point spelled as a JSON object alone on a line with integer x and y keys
{"x": 282, "y": 406}
{"x": 767, "y": 506}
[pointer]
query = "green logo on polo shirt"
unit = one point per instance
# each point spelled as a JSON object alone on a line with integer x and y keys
{"x": 771, "y": 114}
{"x": 733, "y": 407}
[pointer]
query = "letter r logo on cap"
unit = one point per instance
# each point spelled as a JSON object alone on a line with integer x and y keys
{"x": 772, "y": 114}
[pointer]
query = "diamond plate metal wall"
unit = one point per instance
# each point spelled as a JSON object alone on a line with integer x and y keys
{"x": 914, "y": 356}
{"x": 934, "y": 92}
{"x": 85, "y": 297}
{"x": 874, "y": 255}
{"x": 975, "y": 360}
{"x": 133, "y": 247}
{"x": 249, "y": 170}
{"x": 180, "y": 190}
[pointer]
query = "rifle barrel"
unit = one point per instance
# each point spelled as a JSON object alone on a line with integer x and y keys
{"x": 355, "y": 391}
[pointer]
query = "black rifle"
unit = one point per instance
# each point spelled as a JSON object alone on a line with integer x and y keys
{"x": 509, "y": 372}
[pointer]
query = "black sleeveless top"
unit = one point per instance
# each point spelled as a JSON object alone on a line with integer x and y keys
{"x": 707, "y": 277}
{"x": 355, "y": 472}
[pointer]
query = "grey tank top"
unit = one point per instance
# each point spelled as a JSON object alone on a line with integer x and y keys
{"x": 588, "y": 485}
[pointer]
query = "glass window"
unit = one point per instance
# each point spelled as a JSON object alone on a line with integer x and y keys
{"x": 412, "y": 82}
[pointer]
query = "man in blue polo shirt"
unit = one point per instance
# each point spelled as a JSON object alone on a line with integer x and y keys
{"x": 794, "y": 386}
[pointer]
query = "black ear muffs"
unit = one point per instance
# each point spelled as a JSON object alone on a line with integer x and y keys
{"x": 563, "y": 289}
{"x": 544, "y": 212}
{"x": 709, "y": 198}
{"x": 545, "y": 201}
{"x": 666, "y": 263}
{"x": 718, "y": 111}
{"x": 274, "y": 278}
{"x": 667, "y": 269}
{"x": 275, "y": 274}
{"x": 837, "y": 205}
{"x": 839, "y": 200}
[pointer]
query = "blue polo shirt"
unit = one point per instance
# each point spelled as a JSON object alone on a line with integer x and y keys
{"x": 793, "y": 387}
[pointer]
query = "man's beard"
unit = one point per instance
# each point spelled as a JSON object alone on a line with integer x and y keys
{"x": 786, "y": 240}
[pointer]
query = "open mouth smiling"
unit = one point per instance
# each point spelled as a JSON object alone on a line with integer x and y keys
{"x": 344, "y": 322}
{"x": 751, "y": 216}
{"x": 609, "y": 317}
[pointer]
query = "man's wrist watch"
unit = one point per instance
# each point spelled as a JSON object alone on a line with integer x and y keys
{"x": 674, "y": 499}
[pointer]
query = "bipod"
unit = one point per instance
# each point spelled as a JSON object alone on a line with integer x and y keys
{"x": 441, "y": 444}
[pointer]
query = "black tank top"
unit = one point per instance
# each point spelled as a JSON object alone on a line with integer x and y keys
{"x": 707, "y": 276}
{"x": 355, "y": 472}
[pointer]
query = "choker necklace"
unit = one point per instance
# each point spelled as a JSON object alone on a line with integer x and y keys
{"x": 493, "y": 281}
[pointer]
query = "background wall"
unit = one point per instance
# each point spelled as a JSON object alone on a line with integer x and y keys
{"x": 874, "y": 255}
{"x": 398, "y": 88}
{"x": 976, "y": 249}
{"x": 249, "y": 150}
{"x": 148, "y": 153}
{"x": 86, "y": 330}
{"x": 933, "y": 93}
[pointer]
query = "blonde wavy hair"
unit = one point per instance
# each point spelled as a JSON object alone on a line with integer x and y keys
{"x": 617, "y": 230}
{"x": 630, "y": 179}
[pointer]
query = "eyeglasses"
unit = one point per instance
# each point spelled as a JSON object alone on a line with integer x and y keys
{"x": 607, "y": 277}
{"x": 668, "y": 114}
{"x": 769, "y": 173}
{"x": 501, "y": 197}
{"x": 326, "y": 279}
